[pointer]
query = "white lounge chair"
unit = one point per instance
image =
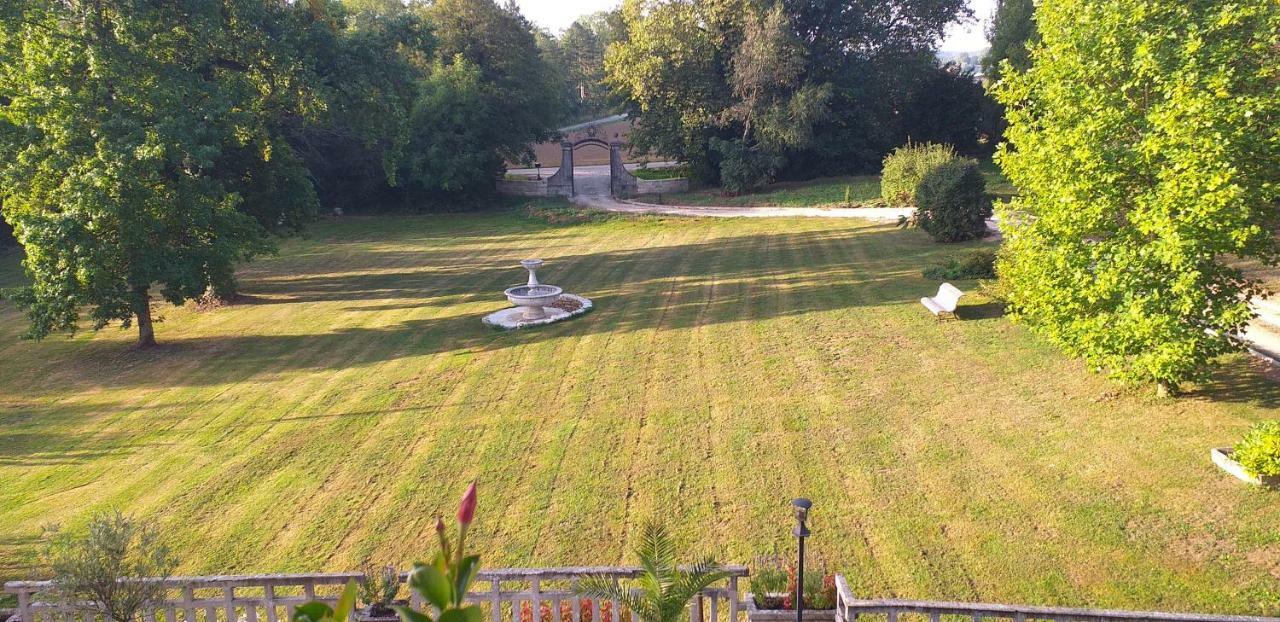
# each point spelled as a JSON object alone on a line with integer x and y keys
{"x": 943, "y": 304}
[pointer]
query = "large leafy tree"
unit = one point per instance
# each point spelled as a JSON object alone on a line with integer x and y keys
{"x": 115, "y": 120}
{"x": 1145, "y": 141}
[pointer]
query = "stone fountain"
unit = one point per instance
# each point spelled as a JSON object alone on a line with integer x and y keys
{"x": 535, "y": 303}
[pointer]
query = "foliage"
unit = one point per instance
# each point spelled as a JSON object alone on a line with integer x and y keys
{"x": 814, "y": 86}
{"x": 953, "y": 202}
{"x": 975, "y": 265}
{"x": 906, "y": 167}
{"x": 1137, "y": 183}
{"x": 819, "y": 589}
{"x": 101, "y": 569}
{"x": 119, "y": 115}
{"x": 378, "y": 587}
{"x": 1259, "y": 451}
{"x": 444, "y": 583}
{"x": 663, "y": 588}
{"x": 514, "y": 79}
{"x": 768, "y": 576}
{"x": 947, "y": 104}
{"x": 367, "y": 65}
{"x": 582, "y": 50}
{"x": 453, "y": 148}
{"x": 1011, "y": 33}
{"x": 743, "y": 167}
{"x": 316, "y": 611}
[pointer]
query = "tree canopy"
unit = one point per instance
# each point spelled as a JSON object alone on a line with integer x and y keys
{"x": 1166, "y": 113}
{"x": 1012, "y": 29}
{"x": 792, "y": 87}
{"x": 152, "y": 145}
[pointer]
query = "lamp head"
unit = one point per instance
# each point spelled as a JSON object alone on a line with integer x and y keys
{"x": 802, "y": 506}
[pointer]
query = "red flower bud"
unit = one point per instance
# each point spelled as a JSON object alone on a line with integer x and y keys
{"x": 439, "y": 524}
{"x": 467, "y": 509}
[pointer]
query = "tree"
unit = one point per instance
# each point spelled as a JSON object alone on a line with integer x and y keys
{"x": 1012, "y": 31}
{"x": 116, "y": 114}
{"x": 664, "y": 589}
{"x": 101, "y": 569}
{"x": 1140, "y": 183}
{"x": 514, "y": 76}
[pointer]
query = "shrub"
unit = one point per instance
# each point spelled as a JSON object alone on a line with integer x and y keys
{"x": 1259, "y": 451}
{"x": 768, "y": 576}
{"x": 975, "y": 265}
{"x": 953, "y": 202}
{"x": 907, "y": 166}
{"x": 743, "y": 168}
{"x": 99, "y": 569}
{"x": 378, "y": 588}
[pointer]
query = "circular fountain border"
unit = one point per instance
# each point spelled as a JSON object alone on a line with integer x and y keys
{"x": 513, "y": 317}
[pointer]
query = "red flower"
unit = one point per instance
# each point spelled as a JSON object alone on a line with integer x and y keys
{"x": 467, "y": 509}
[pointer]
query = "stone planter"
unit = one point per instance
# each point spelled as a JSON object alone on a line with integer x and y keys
{"x": 756, "y": 614}
{"x": 1222, "y": 457}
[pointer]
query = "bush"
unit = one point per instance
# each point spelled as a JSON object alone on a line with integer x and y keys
{"x": 98, "y": 570}
{"x": 742, "y": 168}
{"x": 907, "y": 166}
{"x": 768, "y": 576}
{"x": 976, "y": 265}
{"x": 953, "y": 202}
{"x": 1259, "y": 451}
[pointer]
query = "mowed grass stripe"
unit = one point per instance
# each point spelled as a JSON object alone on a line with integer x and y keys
{"x": 731, "y": 365}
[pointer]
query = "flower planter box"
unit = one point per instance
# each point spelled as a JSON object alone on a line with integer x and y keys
{"x": 756, "y": 614}
{"x": 1222, "y": 457}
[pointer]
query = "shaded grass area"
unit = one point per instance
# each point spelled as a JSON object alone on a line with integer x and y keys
{"x": 662, "y": 172}
{"x": 849, "y": 191}
{"x": 730, "y": 365}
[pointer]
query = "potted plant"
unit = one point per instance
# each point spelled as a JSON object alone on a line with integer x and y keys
{"x": 664, "y": 588}
{"x": 378, "y": 591}
{"x": 1256, "y": 458}
{"x": 773, "y": 588}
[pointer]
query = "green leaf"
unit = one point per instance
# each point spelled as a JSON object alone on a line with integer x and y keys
{"x": 409, "y": 614}
{"x": 432, "y": 585}
{"x": 466, "y": 575}
{"x": 313, "y": 611}
{"x": 347, "y": 603}
{"x": 473, "y": 613}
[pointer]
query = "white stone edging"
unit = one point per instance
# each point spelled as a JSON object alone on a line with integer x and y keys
{"x": 512, "y": 318}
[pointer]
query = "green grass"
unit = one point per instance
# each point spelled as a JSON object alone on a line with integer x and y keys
{"x": 665, "y": 172}
{"x": 862, "y": 190}
{"x": 730, "y": 365}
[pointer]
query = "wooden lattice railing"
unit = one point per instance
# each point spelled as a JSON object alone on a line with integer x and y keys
{"x": 505, "y": 595}
{"x": 851, "y": 609}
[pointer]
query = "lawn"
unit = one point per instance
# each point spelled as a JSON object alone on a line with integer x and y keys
{"x": 857, "y": 190}
{"x": 730, "y": 365}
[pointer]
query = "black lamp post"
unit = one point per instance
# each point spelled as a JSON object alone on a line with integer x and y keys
{"x": 801, "y": 532}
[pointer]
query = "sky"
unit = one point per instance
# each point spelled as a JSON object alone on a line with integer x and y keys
{"x": 556, "y": 15}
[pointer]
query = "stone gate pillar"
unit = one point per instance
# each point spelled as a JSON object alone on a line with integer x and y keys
{"x": 562, "y": 182}
{"x": 622, "y": 184}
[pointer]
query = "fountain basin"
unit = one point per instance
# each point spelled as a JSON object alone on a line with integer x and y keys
{"x": 533, "y": 299}
{"x": 564, "y": 307}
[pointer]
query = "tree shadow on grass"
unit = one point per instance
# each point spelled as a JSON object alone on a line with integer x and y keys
{"x": 985, "y": 311}
{"x": 1243, "y": 379}
{"x": 745, "y": 278}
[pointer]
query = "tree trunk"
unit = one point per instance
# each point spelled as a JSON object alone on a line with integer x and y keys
{"x": 142, "y": 310}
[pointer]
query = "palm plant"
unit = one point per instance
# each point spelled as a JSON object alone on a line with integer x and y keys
{"x": 663, "y": 589}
